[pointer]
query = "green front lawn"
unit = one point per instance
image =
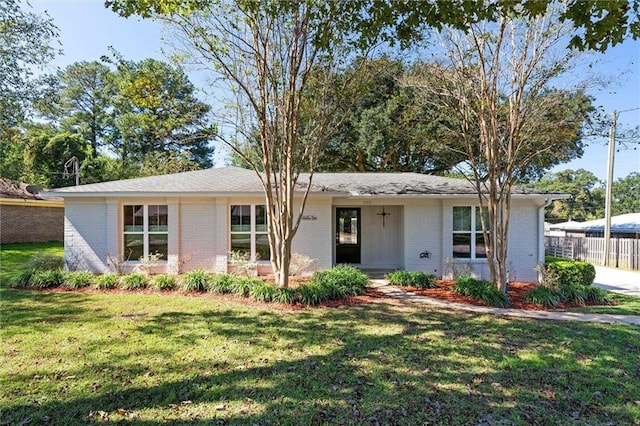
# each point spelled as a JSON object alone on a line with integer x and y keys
{"x": 77, "y": 358}
{"x": 15, "y": 257}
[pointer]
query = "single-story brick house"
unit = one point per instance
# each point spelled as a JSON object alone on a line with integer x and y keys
{"x": 373, "y": 220}
{"x": 27, "y": 217}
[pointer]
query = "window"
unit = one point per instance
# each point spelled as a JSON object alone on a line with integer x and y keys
{"x": 468, "y": 241}
{"x": 249, "y": 231}
{"x": 146, "y": 231}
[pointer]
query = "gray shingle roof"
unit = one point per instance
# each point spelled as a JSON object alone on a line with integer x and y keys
{"x": 231, "y": 180}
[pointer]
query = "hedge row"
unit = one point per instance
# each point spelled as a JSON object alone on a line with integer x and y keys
{"x": 326, "y": 285}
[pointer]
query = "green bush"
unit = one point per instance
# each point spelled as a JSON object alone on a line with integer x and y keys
{"x": 573, "y": 293}
{"x": 47, "y": 278}
{"x": 545, "y": 296}
{"x": 46, "y": 262}
{"x": 133, "y": 281}
{"x": 596, "y": 296}
{"x": 314, "y": 293}
{"x": 286, "y": 295}
{"x": 481, "y": 290}
{"x": 349, "y": 279}
{"x": 106, "y": 281}
{"x": 242, "y": 285}
{"x": 263, "y": 292}
{"x": 570, "y": 272}
{"x": 164, "y": 282}
{"x": 196, "y": 280}
{"x": 221, "y": 283}
{"x": 23, "y": 279}
{"x": 416, "y": 279}
{"x": 78, "y": 279}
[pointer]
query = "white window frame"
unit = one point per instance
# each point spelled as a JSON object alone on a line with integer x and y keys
{"x": 253, "y": 233}
{"x": 145, "y": 232}
{"x": 474, "y": 232}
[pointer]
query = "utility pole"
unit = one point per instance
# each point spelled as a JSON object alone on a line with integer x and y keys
{"x": 607, "y": 200}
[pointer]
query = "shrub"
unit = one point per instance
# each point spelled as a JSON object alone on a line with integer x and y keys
{"x": 196, "y": 280}
{"x": 242, "y": 263}
{"x": 349, "y": 279}
{"x": 571, "y": 272}
{"x": 263, "y": 292}
{"x": 133, "y": 281}
{"x": 417, "y": 279}
{"x": 573, "y": 294}
{"x": 545, "y": 296}
{"x": 23, "y": 279}
{"x": 298, "y": 263}
{"x": 314, "y": 293}
{"x": 286, "y": 295}
{"x": 47, "y": 279}
{"x": 164, "y": 282}
{"x": 242, "y": 285}
{"x": 106, "y": 281}
{"x": 46, "y": 262}
{"x": 221, "y": 283}
{"x": 596, "y": 296}
{"x": 78, "y": 279}
{"x": 481, "y": 290}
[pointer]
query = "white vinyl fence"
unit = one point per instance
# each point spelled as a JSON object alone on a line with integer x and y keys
{"x": 624, "y": 253}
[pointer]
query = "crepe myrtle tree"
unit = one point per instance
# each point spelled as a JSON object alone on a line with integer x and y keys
{"x": 496, "y": 81}
{"x": 273, "y": 60}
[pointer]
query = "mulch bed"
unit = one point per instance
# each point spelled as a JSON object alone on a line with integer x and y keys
{"x": 515, "y": 292}
{"x": 444, "y": 291}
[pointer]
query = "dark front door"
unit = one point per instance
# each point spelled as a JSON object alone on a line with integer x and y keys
{"x": 347, "y": 235}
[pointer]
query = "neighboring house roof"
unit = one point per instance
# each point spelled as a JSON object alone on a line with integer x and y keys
{"x": 234, "y": 180}
{"x": 624, "y": 223}
{"x": 13, "y": 191}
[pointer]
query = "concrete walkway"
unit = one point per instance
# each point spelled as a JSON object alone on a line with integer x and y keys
{"x": 391, "y": 291}
{"x": 618, "y": 280}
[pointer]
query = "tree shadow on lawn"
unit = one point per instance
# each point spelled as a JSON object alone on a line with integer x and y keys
{"x": 39, "y": 309}
{"x": 370, "y": 365}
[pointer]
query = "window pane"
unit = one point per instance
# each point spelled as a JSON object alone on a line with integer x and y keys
{"x": 261, "y": 218}
{"x": 158, "y": 219}
{"x": 462, "y": 245}
{"x": 133, "y": 218}
{"x": 481, "y": 251}
{"x": 262, "y": 247}
{"x": 158, "y": 244}
{"x": 479, "y": 220}
{"x": 240, "y": 218}
{"x": 462, "y": 218}
{"x": 133, "y": 246}
{"x": 241, "y": 243}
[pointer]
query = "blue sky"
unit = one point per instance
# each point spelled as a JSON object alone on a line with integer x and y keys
{"x": 87, "y": 29}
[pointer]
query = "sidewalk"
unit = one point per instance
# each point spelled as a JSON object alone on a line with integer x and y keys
{"x": 391, "y": 291}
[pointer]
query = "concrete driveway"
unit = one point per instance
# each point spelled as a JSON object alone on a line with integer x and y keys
{"x": 618, "y": 280}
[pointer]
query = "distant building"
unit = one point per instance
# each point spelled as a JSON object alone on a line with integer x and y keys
{"x": 622, "y": 226}
{"x": 27, "y": 217}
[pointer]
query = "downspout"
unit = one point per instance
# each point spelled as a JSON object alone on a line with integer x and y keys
{"x": 546, "y": 204}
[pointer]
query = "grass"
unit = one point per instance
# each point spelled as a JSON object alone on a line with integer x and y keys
{"x": 624, "y": 305}
{"x": 75, "y": 358}
{"x": 14, "y": 257}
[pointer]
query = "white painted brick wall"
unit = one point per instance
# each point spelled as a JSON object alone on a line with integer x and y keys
{"x": 85, "y": 239}
{"x": 199, "y": 240}
{"x": 422, "y": 224}
{"x": 315, "y": 238}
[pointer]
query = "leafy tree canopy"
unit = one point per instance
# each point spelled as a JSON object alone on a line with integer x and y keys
{"x": 586, "y": 195}
{"x": 626, "y": 194}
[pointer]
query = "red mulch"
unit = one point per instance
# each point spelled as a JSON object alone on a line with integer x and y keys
{"x": 444, "y": 291}
{"x": 515, "y": 292}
